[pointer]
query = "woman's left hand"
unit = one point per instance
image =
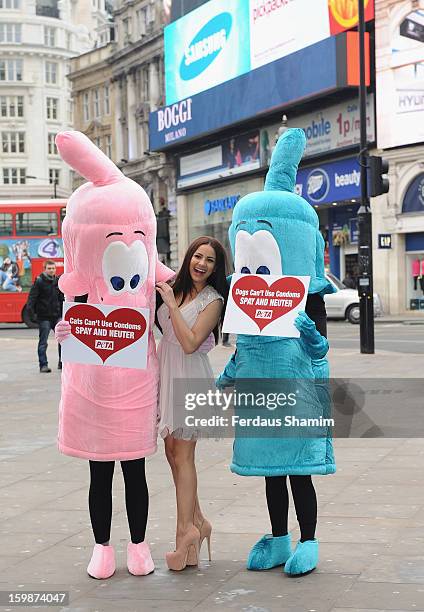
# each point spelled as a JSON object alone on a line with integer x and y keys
{"x": 167, "y": 294}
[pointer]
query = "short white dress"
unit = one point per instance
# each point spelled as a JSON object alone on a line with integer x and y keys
{"x": 175, "y": 364}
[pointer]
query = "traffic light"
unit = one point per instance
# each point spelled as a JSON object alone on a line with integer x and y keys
{"x": 378, "y": 183}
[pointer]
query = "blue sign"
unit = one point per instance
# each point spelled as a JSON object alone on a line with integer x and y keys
{"x": 353, "y": 231}
{"x": 413, "y": 201}
{"x": 384, "y": 241}
{"x": 221, "y": 204}
{"x": 332, "y": 182}
{"x": 258, "y": 91}
{"x": 206, "y": 47}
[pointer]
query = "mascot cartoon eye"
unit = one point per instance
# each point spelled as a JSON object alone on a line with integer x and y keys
{"x": 125, "y": 268}
{"x": 117, "y": 283}
{"x": 134, "y": 281}
{"x": 263, "y": 270}
{"x": 257, "y": 253}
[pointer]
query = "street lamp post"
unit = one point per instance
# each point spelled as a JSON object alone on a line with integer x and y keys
{"x": 55, "y": 183}
{"x": 365, "y": 281}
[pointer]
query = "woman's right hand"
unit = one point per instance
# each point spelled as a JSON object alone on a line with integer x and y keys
{"x": 62, "y": 330}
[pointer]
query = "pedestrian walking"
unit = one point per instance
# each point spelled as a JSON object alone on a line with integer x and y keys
{"x": 44, "y": 306}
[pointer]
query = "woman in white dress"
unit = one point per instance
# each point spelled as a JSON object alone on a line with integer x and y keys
{"x": 191, "y": 311}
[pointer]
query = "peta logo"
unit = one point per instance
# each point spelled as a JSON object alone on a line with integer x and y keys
{"x": 105, "y": 345}
{"x": 205, "y": 46}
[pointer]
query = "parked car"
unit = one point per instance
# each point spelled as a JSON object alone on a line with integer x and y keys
{"x": 345, "y": 303}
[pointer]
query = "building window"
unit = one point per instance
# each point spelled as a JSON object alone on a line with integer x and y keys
{"x": 11, "y": 106}
{"x": 52, "y": 108}
{"x": 97, "y": 142}
{"x": 70, "y": 111}
{"x": 86, "y": 106}
{"x": 96, "y": 103}
{"x": 142, "y": 21}
{"x": 51, "y": 145}
{"x": 146, "y": 84}
{"x": 36, "y": 223}
{"x": 11, "y": 70}
{"x": 127, "y": 29}
{"x": 14, "y": 176}
{"x": 49, "y": 36}
{"x": 51, "y": 73}
{"x": 10, "y": 4}
{"x": 10, "y": 33}
{"x": 47, "y": 8}
{"x": 108, "y": 150}
{"x": 54, "y": 174}
{"x": 106, "y": 93}
{"x": 13, "y": 142}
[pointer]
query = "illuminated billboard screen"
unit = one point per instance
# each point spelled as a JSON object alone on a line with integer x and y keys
{"x": 223, "y": 39}
{"x": 205, "y": 48}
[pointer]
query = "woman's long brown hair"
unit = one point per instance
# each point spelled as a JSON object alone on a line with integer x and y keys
{"x": 183, "y": 283}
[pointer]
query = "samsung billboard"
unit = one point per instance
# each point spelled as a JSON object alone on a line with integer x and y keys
{"x": 223, "y": 39}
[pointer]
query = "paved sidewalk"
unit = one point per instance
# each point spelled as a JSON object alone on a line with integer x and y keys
{"x": 409, "y": 318}
{"x": 371, "y": 513}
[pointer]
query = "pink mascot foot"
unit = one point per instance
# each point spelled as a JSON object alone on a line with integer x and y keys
{"x": 139, "y": 559}
{"x": 102, "y": 564}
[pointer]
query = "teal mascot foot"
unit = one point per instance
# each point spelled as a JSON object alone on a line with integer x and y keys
{"x": 304, "y": 558}
{"x": 269, "y": 552}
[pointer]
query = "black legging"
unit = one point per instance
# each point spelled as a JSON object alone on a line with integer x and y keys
{"x": 304, "y": 496}
{"x": 136, "y": 498}
{"x": 305, "y": 502}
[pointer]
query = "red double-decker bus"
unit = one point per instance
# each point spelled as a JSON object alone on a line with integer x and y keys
{"x": 30, "y": 232}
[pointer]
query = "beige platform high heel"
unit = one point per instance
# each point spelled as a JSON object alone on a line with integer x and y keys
{"x": 205, "y": 532}
{"x": 188, "y": 546}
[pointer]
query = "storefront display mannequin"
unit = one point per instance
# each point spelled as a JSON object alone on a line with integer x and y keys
{"x": 416, "y": 272}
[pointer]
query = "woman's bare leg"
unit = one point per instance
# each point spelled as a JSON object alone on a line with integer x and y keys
{"x": 185, "y": 484}
{"x": 198, "y": 516}
{"x": 169, "y": 452}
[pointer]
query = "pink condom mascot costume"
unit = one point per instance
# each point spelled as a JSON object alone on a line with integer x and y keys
{"x": 109, "y": 413}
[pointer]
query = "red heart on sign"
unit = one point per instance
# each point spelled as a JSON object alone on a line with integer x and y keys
{"x": 105, "y": 334}
{"x": 265, "y": 303}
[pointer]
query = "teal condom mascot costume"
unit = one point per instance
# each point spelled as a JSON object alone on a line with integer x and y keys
{"x": 277, "y": 232}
